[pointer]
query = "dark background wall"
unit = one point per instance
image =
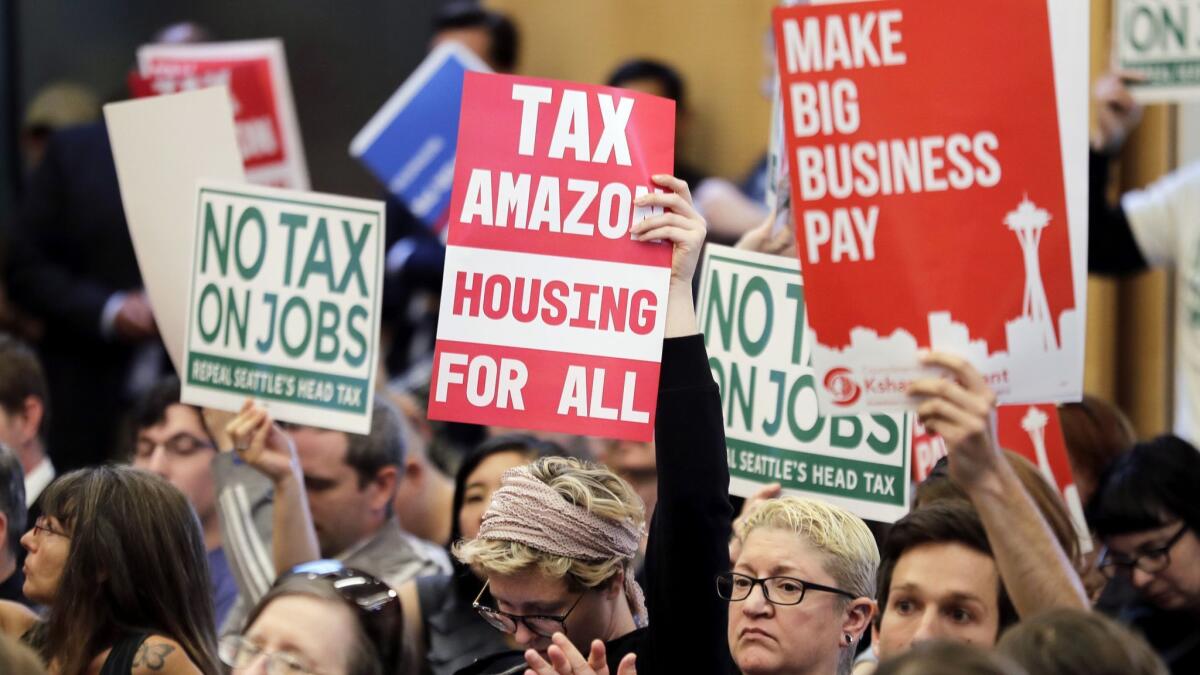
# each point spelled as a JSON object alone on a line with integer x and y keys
{"x": 344, "y": 58}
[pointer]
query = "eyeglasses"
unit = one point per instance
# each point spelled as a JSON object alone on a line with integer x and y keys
{"x": 542, "y": 625}
{"x": 364, "y": 591}
{"x": 777, "y": 590}
{"x": 1153, "y": 560}
{"x": 181, "y": 444}
{"x": 238, "y": 652}
{"x": 42, "y": 528}
{"x": 378, "y": 606}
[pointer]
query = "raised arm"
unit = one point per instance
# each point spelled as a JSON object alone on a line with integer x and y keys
{"x": 1033, "y": 566}
{"x": 264, "y": 446}
{"x": 691, "y": 524}
{"x": 1112, "y": 248}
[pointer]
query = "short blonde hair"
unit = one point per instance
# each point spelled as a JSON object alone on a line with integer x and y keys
{"x": 851, "y": 556}
{"x": 589, "y": 486}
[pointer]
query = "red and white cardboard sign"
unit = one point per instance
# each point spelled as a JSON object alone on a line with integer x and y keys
{"x": 925, "y": 156}
{"x": 1033, "y": 431}
{"x": 552, "y": 317}
{"x": 255, "y": 71}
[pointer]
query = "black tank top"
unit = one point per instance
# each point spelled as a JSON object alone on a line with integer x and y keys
{"x": 120, "y": 659}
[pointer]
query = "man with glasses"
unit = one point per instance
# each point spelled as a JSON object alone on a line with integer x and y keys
{"x": 1146, "y": 513}
{"x": 170, "y": 440}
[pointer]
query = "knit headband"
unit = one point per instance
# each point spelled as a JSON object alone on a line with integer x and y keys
{"x": 527, "y": 511}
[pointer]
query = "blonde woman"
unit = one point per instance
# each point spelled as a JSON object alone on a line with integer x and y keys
{"x": 557, "y": 543}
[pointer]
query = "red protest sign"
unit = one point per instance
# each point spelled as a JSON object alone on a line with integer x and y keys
{"x": 255, "y": 72}
{"x": 551, "y": 315}
{"x": 1035, "y": 432}
{"x": 927, "y": 185}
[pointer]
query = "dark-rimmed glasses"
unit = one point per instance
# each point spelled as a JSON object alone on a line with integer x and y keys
{"x": 1151, "y": 561}
{"x": 542, "y": 625}
{"x": 777, "y": 590}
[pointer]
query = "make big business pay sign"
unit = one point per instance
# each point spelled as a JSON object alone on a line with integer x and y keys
{"x": 552, "y": 316}
{"x": 928, "y": 142}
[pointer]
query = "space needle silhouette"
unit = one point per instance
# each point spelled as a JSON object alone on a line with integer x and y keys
{"x": 1028, "y": 221}
{"x": 1034, "y": 423}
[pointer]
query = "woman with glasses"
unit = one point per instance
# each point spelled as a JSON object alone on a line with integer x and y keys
{"x": 800, "y": 593}
{"x": 443, "y": 632}
{"x": 320, "y": 619}
{"x": 118, "y": 560}
{"x": 1147, "y": 516}
{"x": 558, "y": 541}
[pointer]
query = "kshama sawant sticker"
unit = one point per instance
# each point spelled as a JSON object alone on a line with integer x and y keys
{"x": 552, "y": 316}
{"x": 924, "y": 148}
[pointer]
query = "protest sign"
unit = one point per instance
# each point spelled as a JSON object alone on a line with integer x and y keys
{"x": 255, "y": 71}
{"x": 409, "y": 144}
{"x": 918, "y": 229}
{"x": 1035, "y": 432}
{"x": 1160, "y": 39}
{"x": 284, "y": 304}
{"x": 552, "y": 317}
{"x": 751, "y": 311}
{"x": 161, "y": 147}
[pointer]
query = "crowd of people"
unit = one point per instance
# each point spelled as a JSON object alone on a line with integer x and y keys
{"x": 140, "y": 534}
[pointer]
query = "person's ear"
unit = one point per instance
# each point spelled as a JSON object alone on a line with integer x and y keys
{"x": 856, "y": 619}
{"x": 616, "y": 585}
{"x": 385, "y": 487}
{"x": 33, "y": 409}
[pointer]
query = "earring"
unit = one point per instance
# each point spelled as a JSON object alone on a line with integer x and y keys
{"x": 849, "y": 639}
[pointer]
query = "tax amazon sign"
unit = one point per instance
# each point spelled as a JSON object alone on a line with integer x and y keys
{"x": 552, "y": 315}
{"x": 752, "y": 313}
{"x": 284, "y": 304}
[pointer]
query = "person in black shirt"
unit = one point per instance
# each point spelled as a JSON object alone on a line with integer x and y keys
{"x": 1146, "y": 515}
{"x": 688, "y": 536}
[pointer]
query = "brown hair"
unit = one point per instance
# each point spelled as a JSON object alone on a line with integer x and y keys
{"x": 363, "y": 657}
{"x": 938, "y": 486}
{"x": 944, "y": 657}
{"x": 946, "y": 522}
{"x": 1096, "y": 433}
{"x": 21, "y": 376}
{"x": 136, "y": 564}
{"x": 1079, "y": 642}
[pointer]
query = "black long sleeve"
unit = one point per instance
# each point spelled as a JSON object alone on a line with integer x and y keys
{"x": 689, "y": 535}
{"x": 1112, "y": 250}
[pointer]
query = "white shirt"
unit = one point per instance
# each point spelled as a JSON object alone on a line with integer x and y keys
{"x": 37, "y": 480}
{"x": 1165, "y": 219}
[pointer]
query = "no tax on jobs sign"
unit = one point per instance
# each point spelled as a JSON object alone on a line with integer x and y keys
{"x": 551, "y": 315}
{"x": 284, "y": 304}
{"x": 751, "y": 310}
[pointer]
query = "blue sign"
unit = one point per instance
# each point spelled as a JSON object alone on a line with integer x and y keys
{"x": 409, "y": 144}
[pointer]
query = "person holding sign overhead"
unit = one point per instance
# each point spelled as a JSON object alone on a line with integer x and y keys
{"x": 557, "y": 543}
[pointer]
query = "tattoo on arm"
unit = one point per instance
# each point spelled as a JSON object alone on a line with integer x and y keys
{"x": 153, "y": 657}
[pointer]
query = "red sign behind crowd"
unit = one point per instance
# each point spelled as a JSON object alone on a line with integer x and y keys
{"x": 923, "y": 145}
{"x": 255, "y": 73}
{"x": 1033, "y": 431}
{"x": 552, "y": 316}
